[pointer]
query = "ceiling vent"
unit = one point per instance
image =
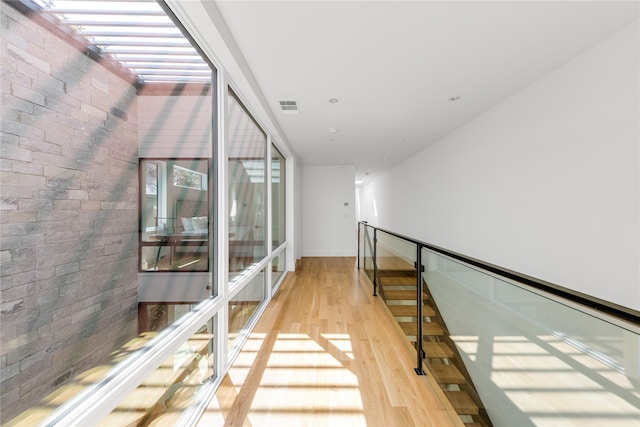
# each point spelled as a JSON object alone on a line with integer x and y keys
{"x": 289, "y": 107}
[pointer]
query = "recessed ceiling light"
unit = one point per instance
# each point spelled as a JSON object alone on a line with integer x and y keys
{"x": 333, "y": 130}
{"x": 454, "y": 98}
{"x": 406, "y": 139}
{"x": 333, "y": 100}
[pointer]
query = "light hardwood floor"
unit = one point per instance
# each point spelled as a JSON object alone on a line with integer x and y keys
{"x": 327, "y": 353}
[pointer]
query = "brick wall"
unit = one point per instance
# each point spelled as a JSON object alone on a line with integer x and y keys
{"x": 68, "y": 211}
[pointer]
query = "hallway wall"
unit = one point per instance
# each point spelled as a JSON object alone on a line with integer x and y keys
{"x": 546, "y": 183}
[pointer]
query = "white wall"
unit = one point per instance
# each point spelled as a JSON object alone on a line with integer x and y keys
{"x": 545, "y": 183}
{"x": 328, "y": 226}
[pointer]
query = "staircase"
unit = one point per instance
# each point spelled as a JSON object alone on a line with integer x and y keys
{"x": 397, "y": 286}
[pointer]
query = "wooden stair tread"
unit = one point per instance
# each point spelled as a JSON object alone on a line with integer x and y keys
{"x": 393, "y": 263}
{"x": 397, "y": 281}
{"x": 410, "y": 310}
{"x": 428, "y": 328}
{"x": 446, "y": 374}
{"x": 462, "y": 402}
{"x": 402, "y": 295}
{"x": 437, "y": 349}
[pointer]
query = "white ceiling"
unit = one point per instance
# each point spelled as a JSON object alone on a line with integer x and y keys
{"x": 393, "y": 65}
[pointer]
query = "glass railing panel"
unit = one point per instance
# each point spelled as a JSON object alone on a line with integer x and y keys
{"x": 396, "y": 279}
{"x": 394, "y": 253}
{"x": 242, "y": 307}
{"x": 278, "y": 268}
{"x": 534, "y": 359}
{"x": 367, "y": 250}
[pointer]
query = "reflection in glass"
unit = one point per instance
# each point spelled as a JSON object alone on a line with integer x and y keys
{"x": 247, "y": 189}
{"x": 242, "y": 308}
{"x": 171, "y": 388}
{"x": 174, "y": 215}
{"x": 278, "y": 206}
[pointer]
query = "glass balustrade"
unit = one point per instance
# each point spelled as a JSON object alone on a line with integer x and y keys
{"x": 537, "y": 359}
{"x": 506, "y": 353}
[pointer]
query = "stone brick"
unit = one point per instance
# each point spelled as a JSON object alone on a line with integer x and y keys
{"x": 11, "y": 152}
{"x": 17, "y": 104}
{"x": 30, "y": 59}
{"x": 19, "y": 217}
{"x": 101, "y": 85}
{"x": 71, "y": 267}
{"x": 28, "y": 168}
{"x": 17, "y": 242}
{"x": 51, "y": 88}
{"x": 28, "y": 94}
{"x": 58, "y": 137}
{"x": 7, "y": 139}
{"x": 40, "y": 146}
{"x": 5, "y": 164}
{"x": 13, "y": 268}
{"x": 22, "y": 180}
{"x": 16, "y": 128}
{"x": 12, "y": 230}
{"x": 78, "y": 195}
{"x": 10, "y": 371}
{"x": 9, "y": 203}
{"x": 5, "y": 256}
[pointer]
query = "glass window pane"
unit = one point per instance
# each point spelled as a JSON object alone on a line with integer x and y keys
{"x": 242, "y": 308}
{"x": 278, "y": 205}
{"x": 247, "y": 172}
{"x": 163, "y": 396}
{"x": 277, "y": 268}
{"x": 174, "y": 215}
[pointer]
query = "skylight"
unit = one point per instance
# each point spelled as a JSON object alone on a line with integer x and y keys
{"x": 137, "y": 34}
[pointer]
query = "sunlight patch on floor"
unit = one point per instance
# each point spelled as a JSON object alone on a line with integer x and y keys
{"x": 326, "y": 393}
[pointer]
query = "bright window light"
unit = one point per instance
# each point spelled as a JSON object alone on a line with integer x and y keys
{"x": 137, "y": 34}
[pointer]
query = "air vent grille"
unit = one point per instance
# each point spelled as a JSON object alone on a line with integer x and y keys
{"x": 289, "y": 107}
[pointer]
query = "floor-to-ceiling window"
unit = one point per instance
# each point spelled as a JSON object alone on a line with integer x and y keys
{"x": 146, "y": 189}
{"x": 247, "y": 149}
{"x": 247, "y": 233}
{"x": 278, "y": 197}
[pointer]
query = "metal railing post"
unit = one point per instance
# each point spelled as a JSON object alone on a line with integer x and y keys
{"x": 375, "y": 262}
{"x": 419, "y": 335}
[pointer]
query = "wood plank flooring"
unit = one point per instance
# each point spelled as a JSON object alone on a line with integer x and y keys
{"x": 327, "y": 353}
